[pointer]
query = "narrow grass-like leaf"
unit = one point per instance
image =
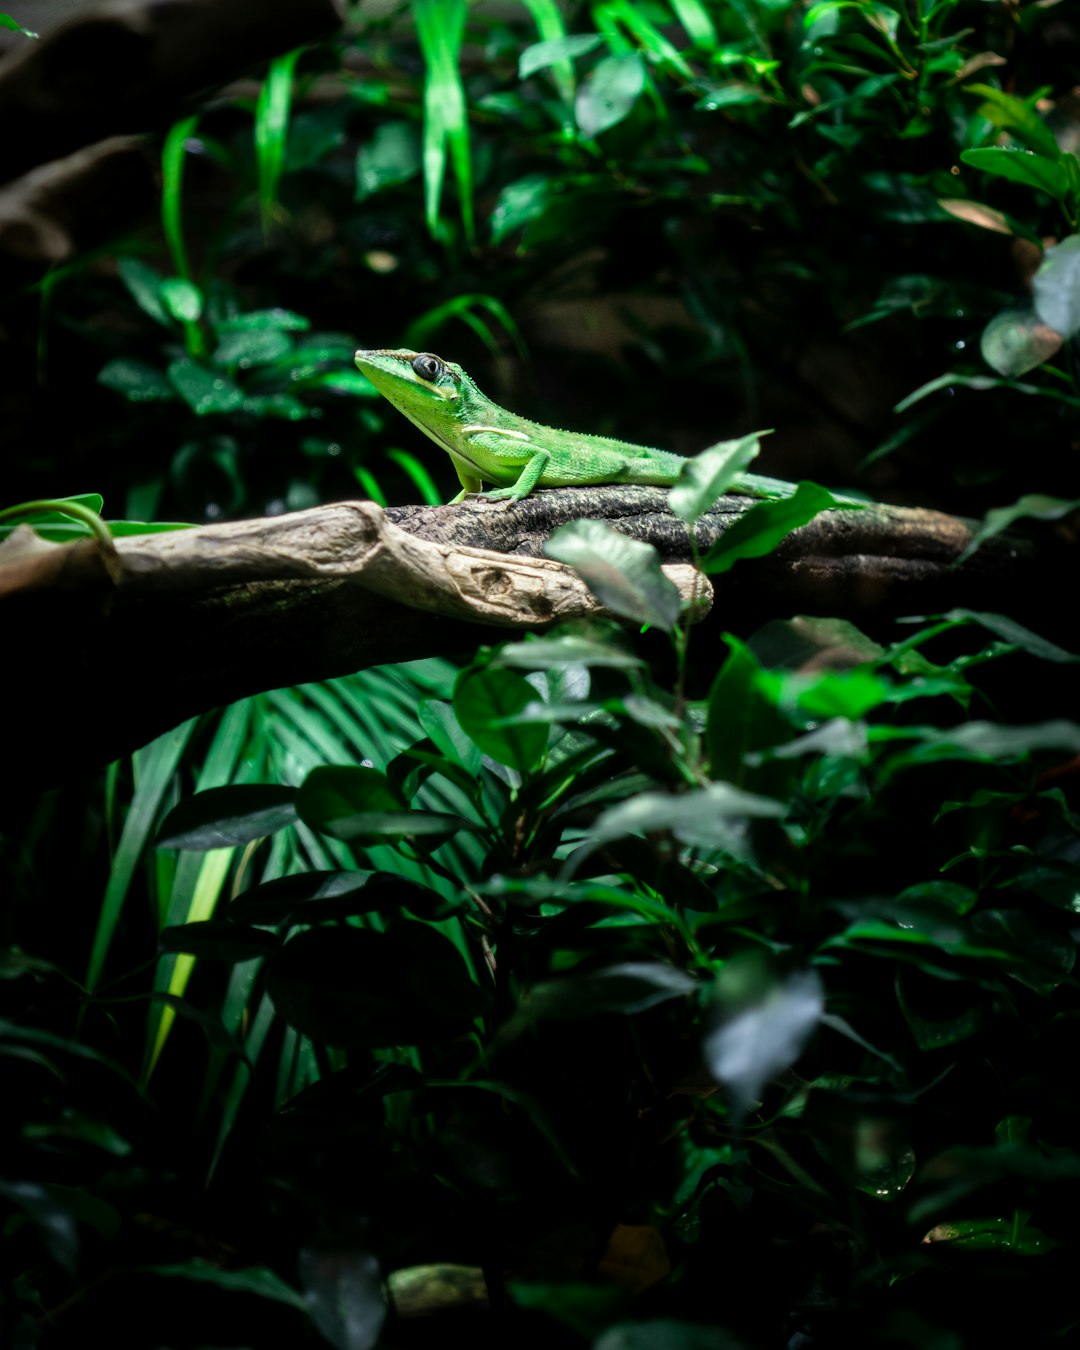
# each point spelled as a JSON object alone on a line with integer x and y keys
{"x": 154, "y": 765}
{"x": 549, "y": 24}
{"x": 440, "y": 26}
{"x": 271, "y": 130}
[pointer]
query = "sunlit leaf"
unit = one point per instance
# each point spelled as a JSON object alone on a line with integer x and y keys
{"x": 542, "y": 55}
{"x": 765, "y": 526}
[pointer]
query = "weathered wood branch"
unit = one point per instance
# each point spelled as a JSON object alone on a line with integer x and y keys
{"x": 118, "y": 650}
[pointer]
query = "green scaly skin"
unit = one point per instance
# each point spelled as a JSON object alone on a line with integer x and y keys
{"x": 488, "y": 444}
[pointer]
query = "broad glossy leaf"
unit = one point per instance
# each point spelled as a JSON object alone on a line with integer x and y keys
{"x": 487, "y": 697}
{"x": 608, "y": 94}
{"x": 556, "y": 650}
{"x": 310, "y": 896}
{"x": 437, "y": 718}
{"x": 1017, "y": 116}
{"x": 1056, "y": 287}
{"x": 228, "y": 815}
{"x": 218, "y": 940}
{"x": 144, "y": 283}
{"x": 392, "y": 156}
{"x": 205, "y": 391}
{"x": 631, "y": 987}
{"x": 343, "y": 1293}
{"x": 252, "y": 347}
{"x": 136, "y": 380}
{"x": 756, "y": 1038}
{"x": 709, "y": 474}
{"x": 264, "y": 320}
{"x": 977, "y": 213}
{"x": 257, "y": 1280}
{"x": 743, "y": 717}
{"x": 1017, "y": 340}
{"x": 766, "y": 525}
{"x": 332, "y": 796}
{"x": 1021, "y": 166}
{"x": 182, "y": 299}
{"x": 624, "y": 574}
{"x": 541, "y": 55}
{"x": 713, "y": 817}
{"x": 994, "y": 740}
{"x": 993, "y": 1234}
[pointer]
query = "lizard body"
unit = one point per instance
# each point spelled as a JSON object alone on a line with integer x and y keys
{"x": 489, "y": 444}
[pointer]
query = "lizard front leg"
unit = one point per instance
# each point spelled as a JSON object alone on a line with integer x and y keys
{"x": 527, "y": 479}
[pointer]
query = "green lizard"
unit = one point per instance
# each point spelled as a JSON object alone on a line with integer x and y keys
{"x": 490, "y": 445}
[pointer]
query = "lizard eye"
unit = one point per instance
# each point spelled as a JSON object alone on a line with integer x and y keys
{"x": 428, "y": 367}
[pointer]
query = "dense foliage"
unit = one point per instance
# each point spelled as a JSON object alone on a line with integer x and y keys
{"x": 657, "y": 1003}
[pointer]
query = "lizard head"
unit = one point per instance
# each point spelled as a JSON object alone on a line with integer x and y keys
{"x": 413, "y": 378}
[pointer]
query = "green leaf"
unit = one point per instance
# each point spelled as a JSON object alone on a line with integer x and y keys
{"x": 254, "y": 347}
{"x": 992, "y": 740}
{"x": 136, "y": 380}
{"x": 392, "y": 156}
{"x": 440, "y": 25}
{"x": 992, "y": 1234}
{"x": 712, "y": 817}
{"x": 485, "y": 701}
{"x": 340, "y": 799}
{"x": 1017, "y": 340}
{"x": 271, "y": 127}
{"x": 624, "y": 574}
{"x": 761, "y": 1028}
{"x": 1033, "y": 506}
{"x": 1015, "y": 633}
{"x": 1021, "y": 166}
{"x": 439, "y": 721}
{"x": 541, "y": 55}
{"x": 743, "y": 719}
{"x": 1018, "y": 117}
{"x": 257, "y": 1280}
{"x": 145, "y": 286}
{"x": 6, "y": 21}
{"x": 1056, "y": 287}
{"x": 261, "y": 320}
{"x": 709, "y": 474}
{"x": 609, "y": 93}
{"x": 205, "y": 391}
{"x": 222, "y": 816}
{"x": 632, "y": 987}
{"x": 765, "y": 526}
{"x": 182, "y": 299}
{"x": 557, "y": 650}
{"x": 217, "y": 940}
{"x": 344, "y": 1295}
